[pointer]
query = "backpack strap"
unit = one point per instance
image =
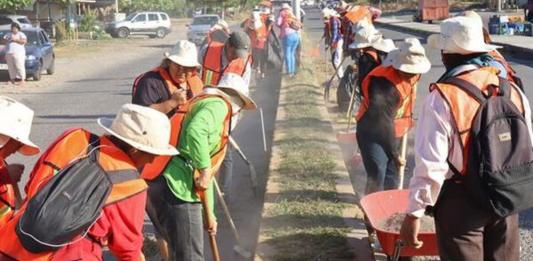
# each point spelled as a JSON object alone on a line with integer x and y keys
{"x": 504, "y": 88}
{"x": 469, "y": 88}
{"x": 94, "y": 144}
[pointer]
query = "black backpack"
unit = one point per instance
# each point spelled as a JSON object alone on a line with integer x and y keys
{"x": 68, "y": 205}
{"x": 500, "y": 158}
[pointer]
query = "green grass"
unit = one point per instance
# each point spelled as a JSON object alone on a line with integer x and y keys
{"x": 305, "y": 222}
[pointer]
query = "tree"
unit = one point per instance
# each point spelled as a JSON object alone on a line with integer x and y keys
{"x": 13, "y": 5}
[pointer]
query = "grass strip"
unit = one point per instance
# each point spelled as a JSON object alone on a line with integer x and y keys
{"x": 306, "y": 220}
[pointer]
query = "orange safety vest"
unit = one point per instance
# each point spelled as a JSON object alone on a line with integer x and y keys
{"x": 212, "y": 64}
{"x": 511, "y": 73}
{"x": 68, "y": 147}
{"x": 464, "y": 107}
{"x": 406, "y": 88}
{"x": 358, "y": 13}
{"x": 258, "y": 37}
{"x": 213, "y": 69}
{"x": 7, "y": 202}
{"x": 194, "y": 83}
{"x": 152, "y": 170}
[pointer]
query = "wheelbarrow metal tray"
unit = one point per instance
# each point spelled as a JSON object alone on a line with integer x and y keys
{"x": 381, "y": 205}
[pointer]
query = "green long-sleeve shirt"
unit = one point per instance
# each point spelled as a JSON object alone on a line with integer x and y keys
{"x": 200, "y": 138}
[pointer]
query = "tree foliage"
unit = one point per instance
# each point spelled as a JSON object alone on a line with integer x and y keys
{"x": 12, "y": 5}
{"x": 151, "y": 5}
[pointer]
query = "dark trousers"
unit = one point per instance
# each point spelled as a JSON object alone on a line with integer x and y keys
{"x": 178, "y": 222}
{"x": 226, "y": 170}
{"x": 466, "y": 232}
{"x": 380, "y": 169}
{"x": 259, "y": 59}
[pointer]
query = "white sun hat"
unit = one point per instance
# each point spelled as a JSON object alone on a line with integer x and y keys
{"x": 141, "y": 127}
{"x": 384, "y": 45}
{"x": 184, "y": 53}
{"x": 286, "y": 6}
{"x": 460, "y": 35}
{"x": 16, "y": 121}
{"x": 234, "y": 85}
{"x": 365, "y": 36}
{"x": 410, "y": 57}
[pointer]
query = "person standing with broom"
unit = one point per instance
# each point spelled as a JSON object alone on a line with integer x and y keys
{"x": 186, "y": 185}
{"x": 385, "y": 113}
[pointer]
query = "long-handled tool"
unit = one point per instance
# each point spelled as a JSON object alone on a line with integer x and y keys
{"x": 238, "y": 248}
{"x": 350, "y": 109}
{"x": 253, "y": 173}
{"x": 403, "y": 156}
{"x": 328, "y": 85}
{"x": 263, "y": 129}
{"x": 209, "y": 221}
{"x": 18, "y": 196}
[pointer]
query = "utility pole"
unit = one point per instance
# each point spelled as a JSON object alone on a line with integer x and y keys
{"x": 116, "y": 6}
{"x": 296, "y": 7}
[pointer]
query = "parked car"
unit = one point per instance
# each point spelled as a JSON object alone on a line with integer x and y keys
{"x": 6, "y": 21}
{"x": 39, "y": 53}
{"x": 200, "y": 26}
{"x": 153, "y": 24}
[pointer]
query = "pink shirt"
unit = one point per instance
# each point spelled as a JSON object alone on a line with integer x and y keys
{"x": 283, "y": 23}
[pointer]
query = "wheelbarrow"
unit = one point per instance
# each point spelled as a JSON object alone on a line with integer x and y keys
{"x": 380, "y": 206}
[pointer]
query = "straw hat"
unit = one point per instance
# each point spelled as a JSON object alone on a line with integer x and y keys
{"x": 326, "y": 12}
{"x": 265, "y": 3}
{"x": 410, "y": 57}
{"x": 234, "y": 85}
{"x": 472, "y": 14}
{"x": 141, "y": 127}
{"x": 384, "y": 45}
{"x": 184, "y": 53}
{"x": 460, "y": 35}
{"x": 365, "y": 36}
{"x": 16, "y": 121}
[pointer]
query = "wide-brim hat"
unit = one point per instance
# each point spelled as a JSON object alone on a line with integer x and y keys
{"x": 265, "y": 3}
{"x": 234, "y": 85}
{"x": 461, "y": 35}
{"x": 365, "y": 36}
{"x": 141, "y": 127}
{"x": 16, "y": 124}
{"x": 184, "y": 53}
{"x": 286, "y": 6}
{"x": 410, "y": 57}
{"x": 384, "y": 45}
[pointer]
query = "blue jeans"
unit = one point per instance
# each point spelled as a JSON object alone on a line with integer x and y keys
{"x": 380, "y": 169}
{"x": 290, "y": 43}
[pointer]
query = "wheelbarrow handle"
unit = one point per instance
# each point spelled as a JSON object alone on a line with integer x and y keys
{"x": 397, "y": 250}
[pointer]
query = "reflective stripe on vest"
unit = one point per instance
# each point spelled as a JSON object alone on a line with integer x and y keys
{"x": 407, "y": 91}
{"x": 156, "y": 168}
{"x": 463, "y": 107}
{"x": 70, "y": 146}
{"x": 212, "y": 67}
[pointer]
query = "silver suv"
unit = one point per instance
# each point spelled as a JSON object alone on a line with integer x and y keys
{"x": 200, "y": 26}
{"x": 153, "y": 24}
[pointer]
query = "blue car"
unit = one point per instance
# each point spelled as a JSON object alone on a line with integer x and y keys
{"x": 39, "y": 53}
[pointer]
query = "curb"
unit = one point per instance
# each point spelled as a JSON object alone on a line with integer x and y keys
{"x": 509, "y": 48}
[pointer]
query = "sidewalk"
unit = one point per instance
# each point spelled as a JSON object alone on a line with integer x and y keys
{"x": 510, "y": 43}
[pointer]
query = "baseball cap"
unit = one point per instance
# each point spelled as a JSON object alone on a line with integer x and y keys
{"x": 241, "y": 43}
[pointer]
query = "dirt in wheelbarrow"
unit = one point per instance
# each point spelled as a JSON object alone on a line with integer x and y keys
{"x": 394, "y": 223}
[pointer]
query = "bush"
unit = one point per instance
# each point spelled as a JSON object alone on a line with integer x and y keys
{"x": 61, "y": 31}
{"x": 88, "y": 21}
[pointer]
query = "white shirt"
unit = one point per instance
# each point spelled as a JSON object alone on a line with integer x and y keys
{"x": 15, "y": 48}
{"x": 436, "y": 142}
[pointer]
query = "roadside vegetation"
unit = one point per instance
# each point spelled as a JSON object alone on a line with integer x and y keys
{"x": 305, "y": 221}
